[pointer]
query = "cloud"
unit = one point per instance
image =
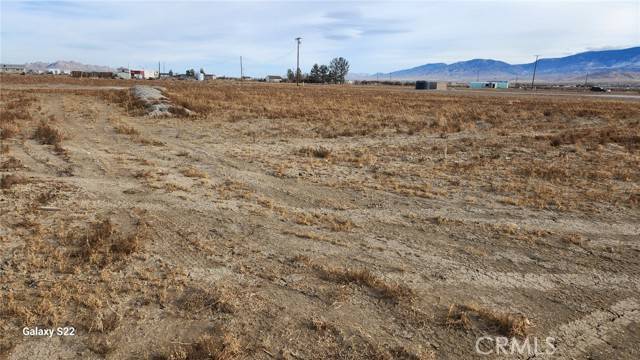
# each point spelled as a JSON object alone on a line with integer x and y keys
{"x": 64, "y": 9}
{"x": 351, "y": 24}
{"x": 84, "y": 46}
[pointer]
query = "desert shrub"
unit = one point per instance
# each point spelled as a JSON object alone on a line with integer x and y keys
{"x": 10, "y": 180}
{"x": 47, "y": 134}
{"x": 319, "y": 152}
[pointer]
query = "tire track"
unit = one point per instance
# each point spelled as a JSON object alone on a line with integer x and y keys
{"x": 575, "y": 339}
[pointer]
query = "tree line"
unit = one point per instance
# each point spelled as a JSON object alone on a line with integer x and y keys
{"x": 335, "y": 72}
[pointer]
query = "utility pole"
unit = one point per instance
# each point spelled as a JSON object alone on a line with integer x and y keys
{"x": 241, "y": 70}
{"x": 477, "y": 75}
{"x": 535, "y": 66}
{"x": 298, "y": 62}
{"x": 159, "y": 70}
{"x": 585, "y": 80}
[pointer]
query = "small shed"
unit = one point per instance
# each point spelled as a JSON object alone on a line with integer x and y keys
{"x": 431, "y": 85}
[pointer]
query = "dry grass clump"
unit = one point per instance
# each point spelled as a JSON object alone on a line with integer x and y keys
{"x": 47, "y": 134}
{"x": 573, "y": 238}
{"x": 194, "y": 172}
{"x": 14, "y": 111}
{"x": 125, "y": 129}
{"x": 319, "y": 152}
{"x": 195, "y": 300}
{"x": 207, "y": 347}
{"x": 599, "y": 136}
{"x": 386, "y": 289}
{"x": 11, "y": 163}
{"x": 10, "y": 180}
{"x": 329, "y": 221}
{"x": 340, "y": 225}
{"x": 125, "y": 99}
{"x": 505, "y": 323}
{"x": 171, "y": 187}
{"x": 8, "y": 130}
{"x": 102, "y": 243}
{"x": 144, "y": 141}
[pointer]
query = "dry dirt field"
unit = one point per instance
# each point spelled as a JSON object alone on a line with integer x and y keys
{"x": 320, "y": 222}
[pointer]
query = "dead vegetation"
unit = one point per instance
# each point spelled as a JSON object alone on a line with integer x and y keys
{"x": 14, "y": 113}
{"x": 194, "y": 172}
{"x": 102, "y": 243}
{"x": 11, "y": 164}
{"x": 47, "y": 134}
{"x": 598, "y": 136}
{"x": 507, "y": 324}
{"x": 386, "y": 289}
{"x": 319, "y": 152}
{"x": 126, "y": 129}
{"x": 126, "y": 100}
{"x": 195, "y": 300}
{"x": 224, "y": 347}
{"x": 422, "y": 146}
{"x": 9, "y": 180}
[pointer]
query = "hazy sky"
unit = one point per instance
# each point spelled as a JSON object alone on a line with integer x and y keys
{"x": 372, "y": 35}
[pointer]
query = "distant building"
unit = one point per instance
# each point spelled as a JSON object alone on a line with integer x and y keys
{"x": 273, "y": 78}
{"x": 12, "y": 68}
{"x": 144, "y": 74}
{"x": 209, "y": 77}
{"x": 489, "y": 84}
{"x": 151, "y": 74}
{"x": 54, "y": 71}
{"x": 137, "y": 74}
{"x": 92, "y": 74}
{"x": 431, "y": 85}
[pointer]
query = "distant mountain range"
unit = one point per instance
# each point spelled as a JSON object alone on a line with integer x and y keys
{"x": 64, "y": 66}
{"x": 606, "y": 65}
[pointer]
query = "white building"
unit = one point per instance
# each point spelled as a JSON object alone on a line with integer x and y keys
{"x": 273, "y": 78}
{"x": 151, "y": 74}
